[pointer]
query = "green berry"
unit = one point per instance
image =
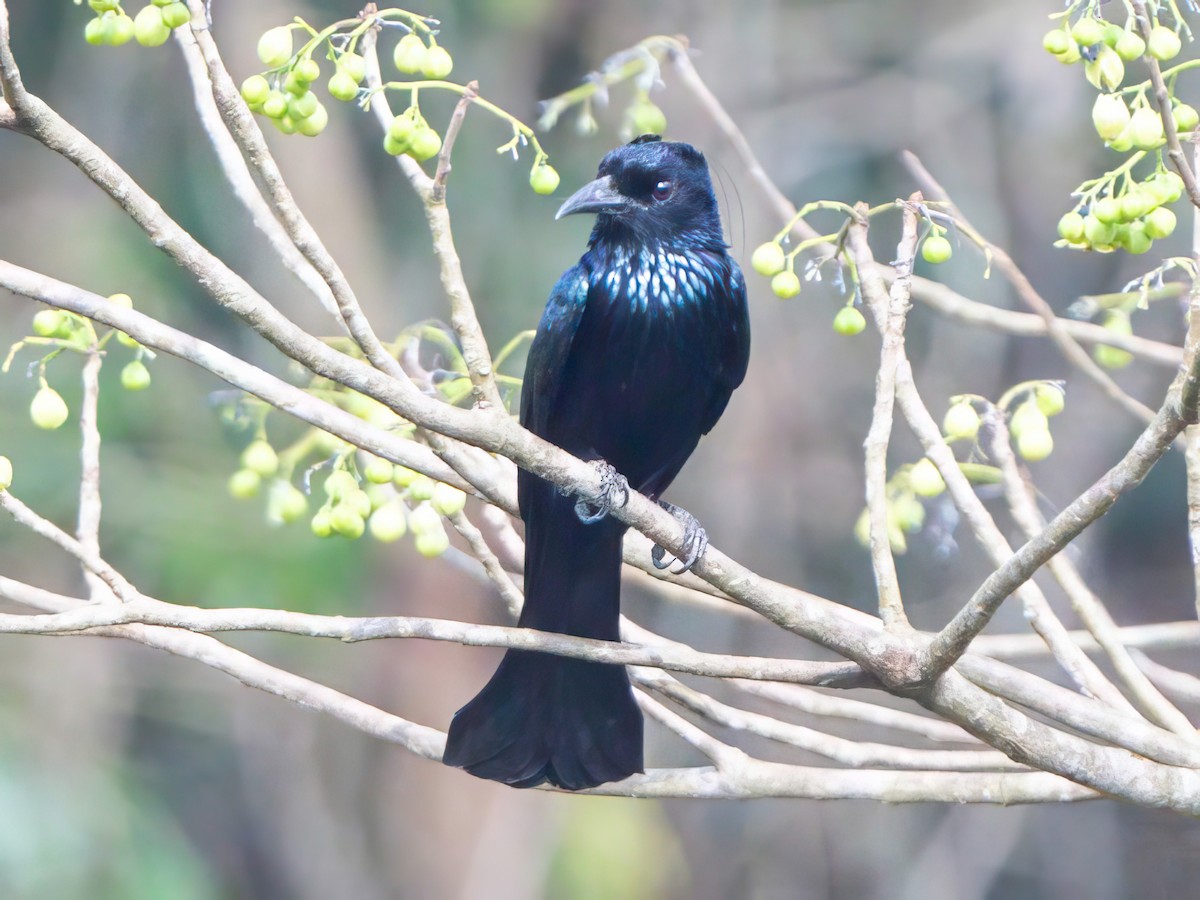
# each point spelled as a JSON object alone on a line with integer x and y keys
{"x": 48, "y": 409}
{"x": 353, "y": 65}
{"x": 1185, "y": 116}
{"x": 1136, "y": 203}
{"x": 149, "y": 30}
{"x": 342, "y": 86}
{"x": 286, "y": 503}
{"x": 51, "y": 323}
{"x": 785, "y": 284}
{"x": 389, "y": 522}
{"x": 259, "y": 456}
{"x": 961, "y": 422}
{"x": 1160, "y": 223}
{"x": 255, "y": 89}
{"x": 1130, "y": 46}
{"x": 1070, "y": 227}
{"x": 313, "y": 124}
{"x": 1134, "y": 238}
{"x": 1035, "y": 445}
{"x": 340, "y": 484}
{"x": 1164, "y": 43}
{"x": 925, "y": 479}
{"x": 1112, "y": 33}
{"x": 403, "y": 476}
{"x": 103, "y": 6}
{"x": 1111, "y": 357}
{"x": 936, "y": 249}
{"x": 437, "y": 63}
{"x": 849, "y": 321}
{"x": 768, "y": 259}
{"x": 276, "y": 105}
{"x": 302, "y": 106}
{"x": 432, "y": 544}
{"x": 244, "y": 484}
{"x": 409, "y": 55}
{"x": 95, "y": 32}
{"x": 347, "y": 521}
{"x": 420, "y": 488}
{"x": 424, "y": 519}
{"x": 1057, "y": 42}
{"x": 425, "y": 144}
{"x": 1107, "y": 210}
{"x": 176, "y": 14}
{"x": 377, "y": 471}
{"x": 1110, "y": 116}
{"x": 1087, "y": 31}
{"x": 1097, "y": 232}
{"x": 1146, "y": 129}
{"x": 1027, "y": 417}
{"x": 275, "y": 47}
{"x": 448, "y": 500}
{"x": 321, "y": 523}
{"x": 6, "y": 473}
{"x": 1106, "y": 70}
{"x": 1051, "y": 398}
{"x": 543, "y": 179}
{"x": 307, "y": 70}
{"x": 135, "y": 376}
{"x": 647, "y": 118}
{"x": 119, "y": 29}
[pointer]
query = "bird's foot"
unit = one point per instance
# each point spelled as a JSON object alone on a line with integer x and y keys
{"x": 695, "y": 541}
{"x": 614, "y": 493}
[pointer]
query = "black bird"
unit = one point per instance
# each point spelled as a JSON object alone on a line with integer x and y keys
{"x": 639, "y": 348}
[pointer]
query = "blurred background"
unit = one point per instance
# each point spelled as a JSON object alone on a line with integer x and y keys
{"x": 128, "y": 773}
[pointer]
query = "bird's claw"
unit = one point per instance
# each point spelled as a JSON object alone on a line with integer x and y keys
{"x": 695, "y": 541}
{"x": 614, "y": 493}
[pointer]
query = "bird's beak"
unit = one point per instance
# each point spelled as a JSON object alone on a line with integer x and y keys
{"x": 598, "y": 196}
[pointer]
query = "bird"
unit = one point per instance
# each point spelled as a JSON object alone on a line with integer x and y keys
{"x": 639, "y": 348}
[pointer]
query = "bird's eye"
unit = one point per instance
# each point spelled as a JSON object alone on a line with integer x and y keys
{"x": 662, "y": 190}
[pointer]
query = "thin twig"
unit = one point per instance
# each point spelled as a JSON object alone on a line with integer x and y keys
{"x": 452, "y": 129}
{"x": 87, "y": 528}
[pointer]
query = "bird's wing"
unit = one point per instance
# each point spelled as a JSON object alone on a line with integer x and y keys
{"x": 548, "y": 357}
{"x": 733, "y": 352}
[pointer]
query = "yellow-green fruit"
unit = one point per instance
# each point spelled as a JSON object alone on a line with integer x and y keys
{"x": 175, "y": 15}
{"x": 403, "y": 476}
{"x": 1130, "y": 46}
{"x": 1097, "y": 232}
{"x": 275, "y": 105}
{"x": 409, "y": 54}
{"x": 135, "y": 376}
{"x": 339, "y": 484}
{"x": 543, "y": 179}
{"x": 437, "y": 63}
{"x": 122, "y": 300}
{"x": 1051, "y": 399}
{"x": 353, "y": 65}
{"x": 907, "y": 513}
{"x": 321, "y": 523}
{"x": 149, "y": 29}
{"x": 301, "y": 106}
{"x": 849, "y": 321}
{"x": 307, "y": 70}
{"x": 424, "y": 519}
{"x": 1164, "y": 43}
{"x": 1035, "y": 445}
{"x": 1087, "y": 31}
{"x": 448, "y": 500}
{"x": 402, "y": 128}
{"x": 1185, "y": 116}
{"x": 389, "y": 523}
{"x": 1056, "y": 42}
{"x": 1135, "y": 239}
{"x": 647, "y": 118}
{"x": 420, "y": 488}
{"x": 1106, "y": 71}
{"x": 925, "y": 479}
{"x": 259, "y": 456}
{"x": 342, "y": 86}
{"x": 244, "y": 484}
{"x": 1146, "y": 129}
{"x": 359, "y": 501}
{"x": 377, "y": 471}
{"x": 275, "y": 47}
{"x": 255, "y": 89}
{"x": 285, "y": 503}
{"x": 425, "y": 144}
{"x": 1027, "y": 417}
{"x": 1122, "y": 143}
{"x": 314, "y": 123}
{"x": 1110, "y": 116}
{"x": 1070, "y": 227}
{"x": 48, "y": 409}
{"x": 346, "y": 521}
{"x": 285, "y": 124}
{"x": 936, "y": 249}
{"x": 51, "y": 323}
{"x": 1111, "y": 357}
{"x": 1160, "y": 223}
{"x": 120, "y": 30}
{"x": 768, "y": 259}
{"x": 6, "y": 473}
{"x": 1107, "y": 210}
{"x": 1136, "y": 203}
{"x": 785, "y": 284}
{"x": 1070, "y": 56}
{"x": 432, "y": 544}
{"x": 961, "y": 422}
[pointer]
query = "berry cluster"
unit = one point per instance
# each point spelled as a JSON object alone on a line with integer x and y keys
{"x": 1117, "y": 210}
{"x": 60, "y": 331}
{"x": 151, "y": 27}
{"x": 362, "y": 493}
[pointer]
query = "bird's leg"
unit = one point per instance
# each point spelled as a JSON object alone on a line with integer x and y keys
{"x": 695, "y": 540}
{"x": 614, "y": 493}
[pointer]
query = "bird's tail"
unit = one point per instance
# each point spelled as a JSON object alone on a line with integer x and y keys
{"x": 549, "y": 718}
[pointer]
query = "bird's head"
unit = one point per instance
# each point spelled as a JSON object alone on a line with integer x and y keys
{"x": 650, "y": 191}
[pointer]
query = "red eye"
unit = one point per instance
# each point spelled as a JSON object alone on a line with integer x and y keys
{"x": 662, "y": 190}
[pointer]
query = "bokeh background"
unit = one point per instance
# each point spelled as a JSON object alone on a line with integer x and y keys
{"x": 126, "y": 773}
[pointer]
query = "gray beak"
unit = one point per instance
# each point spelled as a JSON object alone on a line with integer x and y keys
{"x": 598, "y": 196}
